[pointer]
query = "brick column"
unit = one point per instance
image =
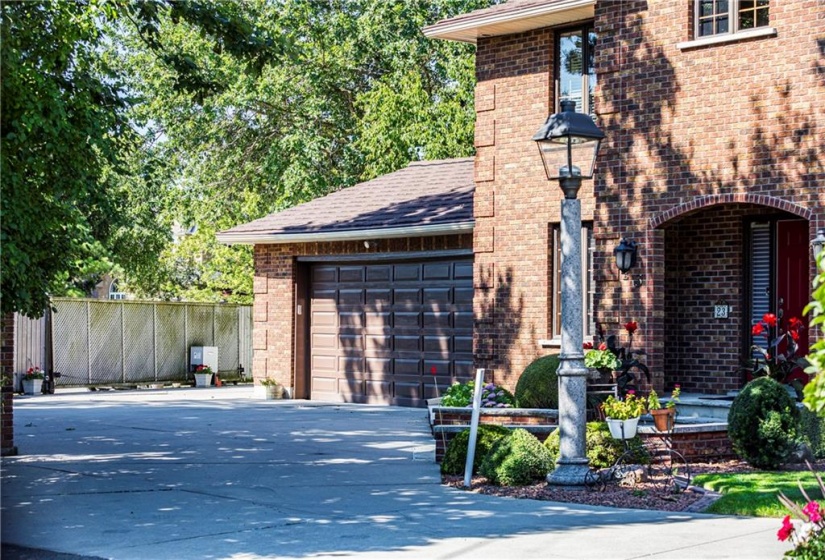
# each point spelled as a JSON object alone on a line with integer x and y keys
{"x": 7, "y": 372}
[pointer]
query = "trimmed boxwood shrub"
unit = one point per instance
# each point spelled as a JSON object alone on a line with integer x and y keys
{"x": 538, "y": 386}
{"x": 517, "y": 460}
{"x": 602, "y": 449}
{"x": 763, "y": 423}
{"x": 455, "y": 456}
{"x": 812, "y": 431}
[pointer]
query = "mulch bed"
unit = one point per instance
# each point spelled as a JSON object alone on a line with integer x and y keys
{"x": 641, "y": 495}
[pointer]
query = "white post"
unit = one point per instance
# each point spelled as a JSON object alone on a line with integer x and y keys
{"x": 471, "y": 446}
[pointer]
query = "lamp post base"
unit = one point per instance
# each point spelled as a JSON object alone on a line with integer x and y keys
{"x": 568, "y": 474}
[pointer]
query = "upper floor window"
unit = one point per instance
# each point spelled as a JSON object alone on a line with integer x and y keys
{"x": 575, "y": 74}
{"x": 717, "y": 17}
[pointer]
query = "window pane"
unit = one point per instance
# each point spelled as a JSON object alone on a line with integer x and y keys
{"x": 762, "y": 17}
{"x": 722, "y": 6}
{"x": 722, "y": 25}
{"x": 706, "y": 28}
{"x": 705, "y": 8}
{"x": 591, "y": 73}
{"x": 570, "y": 67}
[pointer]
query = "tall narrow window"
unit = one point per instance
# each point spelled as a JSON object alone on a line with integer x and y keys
{"x": 716, "y": 17}
{"x": 575, "y": 73}
{"x": 588, "y": 299}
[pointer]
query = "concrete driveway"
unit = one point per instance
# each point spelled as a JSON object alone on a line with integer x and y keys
{"x": 214, "y": 473}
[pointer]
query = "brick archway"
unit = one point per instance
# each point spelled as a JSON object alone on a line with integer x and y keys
{"x": 700, "y": 202}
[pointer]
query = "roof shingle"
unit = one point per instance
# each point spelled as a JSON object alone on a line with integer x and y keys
{"x": 425, "y": 193}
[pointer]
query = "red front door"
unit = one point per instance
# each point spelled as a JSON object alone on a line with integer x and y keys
{"x": 792, "y": 286}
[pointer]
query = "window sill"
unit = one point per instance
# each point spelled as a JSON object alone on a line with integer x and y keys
{"x": 550, "y": 343}
{"x": 727, "y": 38}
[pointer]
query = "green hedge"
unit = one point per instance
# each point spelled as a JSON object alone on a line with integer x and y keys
{"x": 602, "y": 449}
{"x": 517, "y": 460}
{"x": 538, "y": 386}
{"x": 455, "y": 456}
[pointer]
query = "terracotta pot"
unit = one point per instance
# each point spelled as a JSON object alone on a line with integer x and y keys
{"x": 663, "y": 418}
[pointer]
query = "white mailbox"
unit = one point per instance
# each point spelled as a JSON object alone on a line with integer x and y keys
{"x": 207, "y": 355}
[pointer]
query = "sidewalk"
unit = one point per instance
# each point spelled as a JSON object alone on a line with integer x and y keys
{"x": 215, "y": 473}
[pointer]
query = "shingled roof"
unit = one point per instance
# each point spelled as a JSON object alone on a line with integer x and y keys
{"x": 424, "y": 198}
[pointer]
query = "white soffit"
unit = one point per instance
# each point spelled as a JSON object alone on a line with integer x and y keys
{"x": 469, "y": 28}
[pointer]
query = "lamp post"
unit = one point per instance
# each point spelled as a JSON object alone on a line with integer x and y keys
{"x": 569, "y": 143}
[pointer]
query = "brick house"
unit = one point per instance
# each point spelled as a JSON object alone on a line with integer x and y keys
{"x": 714, "y": 164}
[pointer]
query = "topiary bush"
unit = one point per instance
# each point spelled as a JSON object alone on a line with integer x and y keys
{"x": 602, "y": 449}
{"x": 455, "y": 456}
{"x": 812, "y": 431}
{"x": 516, "y": 460}
{"x": 538, "y": 386}
{"x": 763, "y": 423}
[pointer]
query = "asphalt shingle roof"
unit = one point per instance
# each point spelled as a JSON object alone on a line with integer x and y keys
{"x": 425, "y": 193}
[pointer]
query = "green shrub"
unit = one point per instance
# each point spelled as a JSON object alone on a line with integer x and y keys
{"x": 812, "y": 431}
{"x": 516, "y": 460}
{"x": 538, "y": 386}
{"x": 602, "y": 449}
{"x": 492, "y": 396}
{"x": 763, "y": 423}
{"x": 455, "y": 456}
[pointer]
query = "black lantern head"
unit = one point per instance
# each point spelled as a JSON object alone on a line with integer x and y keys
{"x": 569, "y": 143}
{"x": 625, "y": 254}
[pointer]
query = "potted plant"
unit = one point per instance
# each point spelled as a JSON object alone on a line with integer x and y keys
{"x": 622, "y": 415}
{"x": 33, "y": 380}
{"x": 274, "y": 390}
{"x": 203, "y": 376}
{"x": 663, "y": 416}
{"x": 601, "y": 358}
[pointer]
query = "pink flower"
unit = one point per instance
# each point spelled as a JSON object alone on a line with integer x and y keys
{"x": 814, "y": 512}
{"x": 787, "y": 528}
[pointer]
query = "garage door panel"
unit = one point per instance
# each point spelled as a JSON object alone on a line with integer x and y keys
{"x": 403, "y": 367}
{"x": 406, "y": 320}
{"x": 438, "y": 271}
{"x": 463, "y": 344}
{"x": 407, "y": 343}
{"x": 376, "y": 330}
{"x": 439, "y": 344}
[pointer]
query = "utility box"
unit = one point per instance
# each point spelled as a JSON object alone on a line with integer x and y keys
{"x": 206, "y": 355}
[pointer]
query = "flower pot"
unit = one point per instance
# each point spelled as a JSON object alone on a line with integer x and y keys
{"x": 664, "y": 418}
{"x": 32, "y": 386}
{"x": 274, "y": 392}
{"x": 203, "y": 379}
{"x": 623, "y": 429}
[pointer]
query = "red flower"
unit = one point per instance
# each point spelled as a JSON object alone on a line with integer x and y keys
{"x": 794, "y": 335}
{"x": 631, "y": 327}
{"x": 770, "y": 319}
{"x": 813, "y": 511}
{"x": 587, "y": 346}
{"x": 432, "y": 370}
{"x": 757, "y": 329}
{"x": 787, "y": 528}
{"x": 603, "y": 346}
{"x": 794, "y": 324}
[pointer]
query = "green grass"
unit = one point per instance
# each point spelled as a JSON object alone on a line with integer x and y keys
{"x": 755, "y": 494}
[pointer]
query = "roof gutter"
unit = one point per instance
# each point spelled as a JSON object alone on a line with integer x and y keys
{"x": 445, "y": 29}
{"x": 262, "y": 238}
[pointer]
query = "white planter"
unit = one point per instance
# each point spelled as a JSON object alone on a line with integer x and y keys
{"x": 32, "y": 386}
{"x": 203, "y": 379}
{"x": 623, "y": 429}
{"x": 274, "y": 392}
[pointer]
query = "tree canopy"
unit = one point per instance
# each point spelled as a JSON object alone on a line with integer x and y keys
{"x": 126, "y": 121}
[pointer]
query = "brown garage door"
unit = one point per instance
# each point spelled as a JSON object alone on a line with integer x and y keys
{"x": 394, "y": 333}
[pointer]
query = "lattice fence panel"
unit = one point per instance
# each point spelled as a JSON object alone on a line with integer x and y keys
{"x": 71, "y": 342}
{"x": 138, "y": 324}
{"x": 245, "y": 333}
{"x": 226, "y": 338}
{"x": 172, "y": 352}
{"x": 106, "y": 342}
{"x": 199, "y": 326}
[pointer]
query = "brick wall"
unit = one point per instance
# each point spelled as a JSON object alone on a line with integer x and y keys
{"x": 737, "y": 124}
{"x": 273, "y": 335}
{"x": 7, "y": 446}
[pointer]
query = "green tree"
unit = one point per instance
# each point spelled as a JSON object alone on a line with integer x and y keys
{"x": 815, "y": 389}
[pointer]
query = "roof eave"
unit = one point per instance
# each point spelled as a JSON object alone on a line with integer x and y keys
{"x": 469, "y": 29}
{"x": 263, "y": 238}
